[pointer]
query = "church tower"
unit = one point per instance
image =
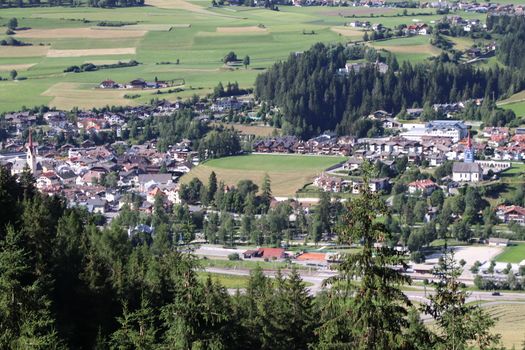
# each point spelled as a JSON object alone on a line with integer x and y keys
{"x": 469, "y": 151}
{"x": 31, "y": 154}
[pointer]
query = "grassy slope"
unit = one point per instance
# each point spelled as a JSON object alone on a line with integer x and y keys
{"x": 199, "y": 47}
{"x": 512, "y": 254}
{"x": 288, "y": 173}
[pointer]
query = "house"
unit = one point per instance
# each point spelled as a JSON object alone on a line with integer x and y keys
{"x": 265, "y": 253}
{"x": 96, "y": 205}
{"x": 152, "y": 194}
{"x": 466, "y": 172}
{"x": 136, "y": 84}
{"x": 108, "y": 84}
{"x": 498, "y": 242}
{"x": 512, "y": 213}
{"x": 329, "y": 183}
{"x": 426, "y": 186}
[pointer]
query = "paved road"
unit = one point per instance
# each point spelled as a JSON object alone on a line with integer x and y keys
{"x": 316, "y": 279}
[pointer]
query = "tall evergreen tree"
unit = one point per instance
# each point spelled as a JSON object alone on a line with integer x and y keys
{"x": 459, "y": 323}
{"x": 377, "y": 307}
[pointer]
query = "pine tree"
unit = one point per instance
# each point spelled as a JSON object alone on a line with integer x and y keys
{"x": 378, "y": 306}
{"x": 25, "y": 318}
{"x": 212, "y": 187}
{"x": 266, "y": 195}
{"x": 459, "y": 324}
{"x": 137, "y": 329}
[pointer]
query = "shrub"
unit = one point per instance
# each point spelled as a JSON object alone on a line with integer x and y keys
{"x": 234, "y": 257}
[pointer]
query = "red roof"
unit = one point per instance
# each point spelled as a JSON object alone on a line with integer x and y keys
{"x": 312, "y": 256}
{"x": 272, "y": 252}
{"x": 422, "y": 184}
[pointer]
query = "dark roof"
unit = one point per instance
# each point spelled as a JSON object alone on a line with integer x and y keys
{"x": 460, "y": 167}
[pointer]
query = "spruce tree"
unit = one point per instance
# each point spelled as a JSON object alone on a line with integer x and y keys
{"x": 377, "y": 306}
{"x": 459, "y": 324}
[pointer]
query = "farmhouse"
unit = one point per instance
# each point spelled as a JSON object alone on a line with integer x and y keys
{"x": 136, "y": 84}
{"x": 108, "y": 84}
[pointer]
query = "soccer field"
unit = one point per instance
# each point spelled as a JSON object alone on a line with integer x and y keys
{"x": 288, "y": 173}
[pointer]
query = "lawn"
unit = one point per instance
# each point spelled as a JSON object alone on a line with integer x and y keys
{"x": 169, "y": 30}
{"x": 288, "y": 173}
{"x": 513, "y": 254}
{"x": 516, "y": 103}
{"x": 227, "y": 281}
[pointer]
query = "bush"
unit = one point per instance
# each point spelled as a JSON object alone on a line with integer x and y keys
{"x": 234, "y": 257}
{"x": 418, "y": 257}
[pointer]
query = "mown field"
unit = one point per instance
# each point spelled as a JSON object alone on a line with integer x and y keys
{"x": 513, "y": 254}
{"x": 288, "y": 173}
{"x": 510, "y": 324}
{"x": 194, "y": 33}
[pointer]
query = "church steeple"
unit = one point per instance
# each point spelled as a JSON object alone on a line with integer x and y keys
{"x": 31, "y": 154}
{"x": 469, "y": 151}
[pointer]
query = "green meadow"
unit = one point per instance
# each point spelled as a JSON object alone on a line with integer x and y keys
{"x": 288, "y": 173}
{"x": 512, "y": 254}
{"x": 194, "y": 33}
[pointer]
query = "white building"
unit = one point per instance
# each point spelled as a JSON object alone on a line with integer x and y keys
{"x": 467, "y": 172}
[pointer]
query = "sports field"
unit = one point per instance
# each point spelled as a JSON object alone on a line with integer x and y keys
{"x": 193, "y": 32}
{"x": 288, "y": 173}
{"x": 513, "y": 254}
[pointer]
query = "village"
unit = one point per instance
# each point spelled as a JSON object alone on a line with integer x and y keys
{"x": 106, "y": 177}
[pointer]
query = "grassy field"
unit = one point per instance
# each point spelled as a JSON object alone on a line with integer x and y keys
{"x": 510, "y": 324}
{"x": 170, "y": 30}
{"x": 288, "y": 173}
{"x": 227, "y": 281}
{"x": 516, "y": 103}
{"x": 513, "y": 254}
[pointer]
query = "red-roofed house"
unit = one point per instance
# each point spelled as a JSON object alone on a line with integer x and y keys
{"x": 426, "y": 186}
{"x": 265, "y": 253}
{"x": 512, "y": 213}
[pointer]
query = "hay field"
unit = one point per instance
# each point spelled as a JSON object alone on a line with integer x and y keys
{"x": 416, "y": 46}
{"x": 348, "y": 32}
{"x": 91, "y": 52}
{"x": 288, "y": 173}
{"x": 90, "y": 33}
{"x": 23, "y": 51}
{"x": 68, "y": 95}
{"x": 511, "y": 323}
{"x": 17, "y": 67}
{"x": 241, "y": 30}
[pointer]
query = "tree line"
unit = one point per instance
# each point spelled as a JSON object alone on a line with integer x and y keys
{"x": 511, "y": 46}
{"x": 314, "y": 97}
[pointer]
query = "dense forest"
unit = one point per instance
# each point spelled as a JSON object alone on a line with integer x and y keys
{"x": 314, "y": 97}
{"x": 67, "y": 284}
{"x": 511, "y": 46}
